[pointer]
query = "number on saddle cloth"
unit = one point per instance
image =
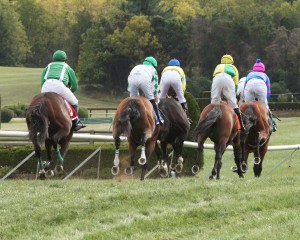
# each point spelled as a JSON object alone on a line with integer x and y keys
{"x": 72, "y": 112}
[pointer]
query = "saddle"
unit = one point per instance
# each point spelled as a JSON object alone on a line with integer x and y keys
{"x": 72, "y": 112}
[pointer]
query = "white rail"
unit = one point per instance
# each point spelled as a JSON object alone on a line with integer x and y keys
{"x": 107, "y": 138}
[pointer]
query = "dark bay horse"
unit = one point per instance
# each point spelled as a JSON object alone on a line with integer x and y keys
{"x": 174, "y": 131}
{"x": 48, "y": 121}
{"x": 257, "y": 134}
{"x": 218, "y": 122}
{"x": 135, "y": 119}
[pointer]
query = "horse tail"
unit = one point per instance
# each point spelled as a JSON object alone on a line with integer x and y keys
{"x": 130, "y": 113}
{"x": 39, "y": 123}
{"x": 206, "y": 123}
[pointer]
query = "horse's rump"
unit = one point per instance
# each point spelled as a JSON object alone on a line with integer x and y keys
{"x": 176, "y": 121}
{"x": 134, "y": 113}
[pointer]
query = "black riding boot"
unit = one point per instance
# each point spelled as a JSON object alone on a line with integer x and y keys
{"x": 76, "y": 127}
{"x": 274, "y": 127}
{"x": 238, "y": 113}
{"x": 185, "y": 108}
{"x": 159, "y": 120}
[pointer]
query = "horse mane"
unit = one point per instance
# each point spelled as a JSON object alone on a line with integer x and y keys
{"x": 208, "y": 121}
{"x": 38, "y": 117}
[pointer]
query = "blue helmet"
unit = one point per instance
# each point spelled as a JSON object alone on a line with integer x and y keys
{"x": 174, "y": 62}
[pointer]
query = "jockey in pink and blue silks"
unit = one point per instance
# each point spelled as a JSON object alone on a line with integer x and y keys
{"x": 225, "y": 83}
{"x": 258, "y": 86}
{"x": 60, "y": 78}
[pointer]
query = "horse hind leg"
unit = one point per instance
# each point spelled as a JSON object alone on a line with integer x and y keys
{"x": 132, "y": 149}
{"x": 163, "y": 163}
{"x": 218, "y": 163}
{"x": 59, "y": 164}
{"x": 41, "y": 166}
{"x": 49, "y": 163}
{"x": 115, "y": 168}
{"x": 196, "y": 167}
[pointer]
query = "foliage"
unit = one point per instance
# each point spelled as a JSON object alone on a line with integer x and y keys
{"x": 19, "y": 110}
{"x": 83, "y": 112}
{"x": 194, "y": 113}
{"x": 6, "y": 115}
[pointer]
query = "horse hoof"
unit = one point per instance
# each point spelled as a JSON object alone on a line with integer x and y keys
{"x": 163, "y": 173}
{"x": 195, "y": 169}
{"x": 179, "y": 168}
{"x": 172, "y": 166}
{"x": 142, "y": 161}
{"x": 49, "y": 174}
{"x": 256, "y": 160}
{"x": 58, "y": 169}
{"x": 234, "y": 169}
{"x": 128, "y": 171}
{"x": 244, "y": 167}
{"x": 115, "y": 170}
{"x": 211, "y": 177}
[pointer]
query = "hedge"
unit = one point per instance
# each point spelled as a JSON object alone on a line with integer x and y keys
{"x": 11, "y": 156}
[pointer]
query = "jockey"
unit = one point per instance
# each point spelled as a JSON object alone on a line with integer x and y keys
{"x": 240, "y": 90}
{"x": 173, "y": 76}
{"x": 225, "y": 83}
{"x": 59, "y": 77}
{"x": 258, "y": 86}
{"x": 144, "y": 77}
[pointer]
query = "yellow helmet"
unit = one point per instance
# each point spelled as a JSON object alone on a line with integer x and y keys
{"x": 227, "y": 59}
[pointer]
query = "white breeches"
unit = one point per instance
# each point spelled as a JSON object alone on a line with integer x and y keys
{"x": 54, "y": 85}
{"x": 172, "y": 79}
{"x": 223, "y": 84}
{"x": 141, "y": 81}
{"x": 256, "y": 88}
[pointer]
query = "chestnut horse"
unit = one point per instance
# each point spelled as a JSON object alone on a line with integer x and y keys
{"x": 135, "y": 118}
{"x": 174, "y": 131}
{"x": 48, "y": 121}
{"x": 218, "y": 122}
{"x": 257, "y": 134}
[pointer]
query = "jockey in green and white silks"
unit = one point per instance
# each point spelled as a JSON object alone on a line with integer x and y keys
{"x": 144, "y": 76}
{"x": 225, "y": 81}
{"x": 59, "y": 77}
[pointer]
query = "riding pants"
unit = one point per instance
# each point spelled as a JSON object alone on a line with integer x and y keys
{"x": 256, "y": 88}
{"x": 54, "y": 85}
{"x": 172, "y": 79}
{"x": 140, "y": 80}
{"x": 223, "y": 84}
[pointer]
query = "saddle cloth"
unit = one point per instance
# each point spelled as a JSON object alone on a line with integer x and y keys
{"x": 72, "y": 112}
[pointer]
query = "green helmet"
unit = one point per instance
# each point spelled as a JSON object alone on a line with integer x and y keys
{"x": 150, "y": 61}
{"x": 60, "y": 56}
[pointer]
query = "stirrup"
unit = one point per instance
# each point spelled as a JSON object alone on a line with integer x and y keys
{"x": 77, "y": 127}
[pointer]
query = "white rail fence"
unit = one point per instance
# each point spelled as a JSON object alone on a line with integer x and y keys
{"x": 108, "y": 138}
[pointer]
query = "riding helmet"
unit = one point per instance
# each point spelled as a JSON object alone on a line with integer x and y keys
{"x": 150, "y": 61}
{"x": 227, "y": 59}
{"x": 60, "y": 56}
{"x": 259, "y": 66}
{"x": 174, "y": 62}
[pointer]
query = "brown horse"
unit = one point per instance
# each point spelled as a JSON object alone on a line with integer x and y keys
{"x": 48, "y": 121}
{"x": 218, "y": 122}
{"x": 135, "y": 118}
{"x": 257, "y": 134}
{"x": 174, "y": 131}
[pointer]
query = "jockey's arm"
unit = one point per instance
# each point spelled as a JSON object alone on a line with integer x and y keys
{"x": 73, "y": 80}
{"x": 43, "y": 76}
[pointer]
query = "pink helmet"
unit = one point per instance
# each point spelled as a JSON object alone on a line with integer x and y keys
{"x": 259, "y": 66}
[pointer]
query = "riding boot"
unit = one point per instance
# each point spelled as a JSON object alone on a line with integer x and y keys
{"x": 185, "y": 108}
{"x": 158, "y": 119}
{"x": 238, "y": 113}
{"x": 274, "y": 127}
{"x": 75, "y": 123}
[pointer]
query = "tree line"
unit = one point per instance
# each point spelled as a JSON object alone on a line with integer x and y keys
{"x": 104, "y": 39}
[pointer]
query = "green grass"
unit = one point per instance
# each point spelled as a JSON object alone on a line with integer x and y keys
{"x": 181, "y": 208}
{"x": 19, "y": 85}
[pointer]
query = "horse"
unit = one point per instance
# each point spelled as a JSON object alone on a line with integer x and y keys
{"x": 257, "y": 134}
{"x": 135, "y": 118}
{"x": 219, "y": 123}
{"x": 48, "y": 122}
{"x": 174, "y": 131}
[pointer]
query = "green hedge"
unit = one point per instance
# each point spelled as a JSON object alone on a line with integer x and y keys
{"x": 284, "y": 106}
{"x": 11, "y": 156}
